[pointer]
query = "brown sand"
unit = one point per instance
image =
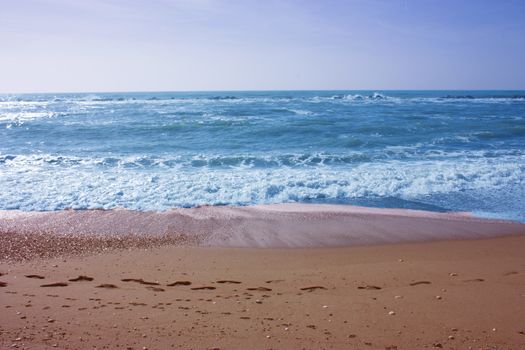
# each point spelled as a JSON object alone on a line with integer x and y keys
{"x": 179, "y": 279}
{"x": 449, "y": 294}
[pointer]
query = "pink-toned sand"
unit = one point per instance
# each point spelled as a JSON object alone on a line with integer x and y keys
{"x": 270, "y": 226}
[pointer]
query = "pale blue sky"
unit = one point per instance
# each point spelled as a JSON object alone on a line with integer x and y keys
{"x": 117, "y": 45}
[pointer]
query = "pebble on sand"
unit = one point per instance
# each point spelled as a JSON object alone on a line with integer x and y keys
{"x": 391, "y": 313}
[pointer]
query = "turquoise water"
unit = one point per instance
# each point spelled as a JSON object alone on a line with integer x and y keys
{"x": 432, "y": 150}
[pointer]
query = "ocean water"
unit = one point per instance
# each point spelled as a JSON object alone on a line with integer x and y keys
{"x": 431, "y": 150}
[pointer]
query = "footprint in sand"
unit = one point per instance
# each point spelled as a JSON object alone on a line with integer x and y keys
{"x": 274, "y": 281}
{"x": 107, "y": 286}
{"x": 203, "y": 288}
{"x": 56, "y": 284}
{"x": 35, "y": 276}
{"x": 179, "y": 283}
{"x": 420, "y": 282}
{"x": 369, "y": 287}
{"x": 134, "y": 303}
{"x": 475, "y": 280}
{"x": 260, "y": 289}
{"x": 140, "y": 280}
{"x": 228, "y": 282}
{"x": 311, "y": 289}
{"x": 155, "y": 289}
{"x": 81, "y": 278}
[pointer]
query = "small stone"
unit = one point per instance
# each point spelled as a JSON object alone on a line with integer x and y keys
{"x": 285, "y": 328}
{"x": 268, "y": 337}
{"x": 50, "y": 320}
{"x": 401, "y": 260}
{"x": 450, "y": 337}
{"x": 437, "y": 345}
{"x": 452, "y": 274}
{"x": 438, "y": 297}
{"x": 258, "y": 301}
{"x": 398, "y": 297}
{"x": 493, "y": 329}
{"x": 325, "y": 306}
{"x": 391, "y": 313}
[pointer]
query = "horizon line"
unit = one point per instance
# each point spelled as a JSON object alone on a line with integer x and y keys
{"x": 240, "y": 90}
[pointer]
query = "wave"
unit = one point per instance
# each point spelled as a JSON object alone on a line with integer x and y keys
{"x": 10, "y": 119}
{"x": 366, "y": 98}
{"x": 483, "y": 97}
{"x": 82, "y": 185}
{"x": 259, "y": 161}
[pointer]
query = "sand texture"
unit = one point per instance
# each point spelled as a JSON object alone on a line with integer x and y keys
{"x": 462, "y": 294}
{"x": 26, "y": 235}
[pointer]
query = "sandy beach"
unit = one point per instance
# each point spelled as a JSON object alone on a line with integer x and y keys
{"x": 451, "y": 294}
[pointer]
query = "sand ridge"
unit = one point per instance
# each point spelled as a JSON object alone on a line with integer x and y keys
{"x": 48, "y": 234}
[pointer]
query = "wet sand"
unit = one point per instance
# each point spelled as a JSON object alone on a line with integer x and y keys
{"x": 450, "y": 294}
{"x": 29, "y": 235}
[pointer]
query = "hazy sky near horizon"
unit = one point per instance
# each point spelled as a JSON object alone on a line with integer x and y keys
{"x": 134, "y": 45}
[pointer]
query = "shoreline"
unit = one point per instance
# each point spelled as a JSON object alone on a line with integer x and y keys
{"x": 71, "y": 232}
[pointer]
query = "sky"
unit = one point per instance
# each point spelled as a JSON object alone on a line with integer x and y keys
{"x": 186, "y": 45}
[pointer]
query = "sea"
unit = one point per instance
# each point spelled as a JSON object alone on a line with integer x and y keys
{"x": 152, "y": 151}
